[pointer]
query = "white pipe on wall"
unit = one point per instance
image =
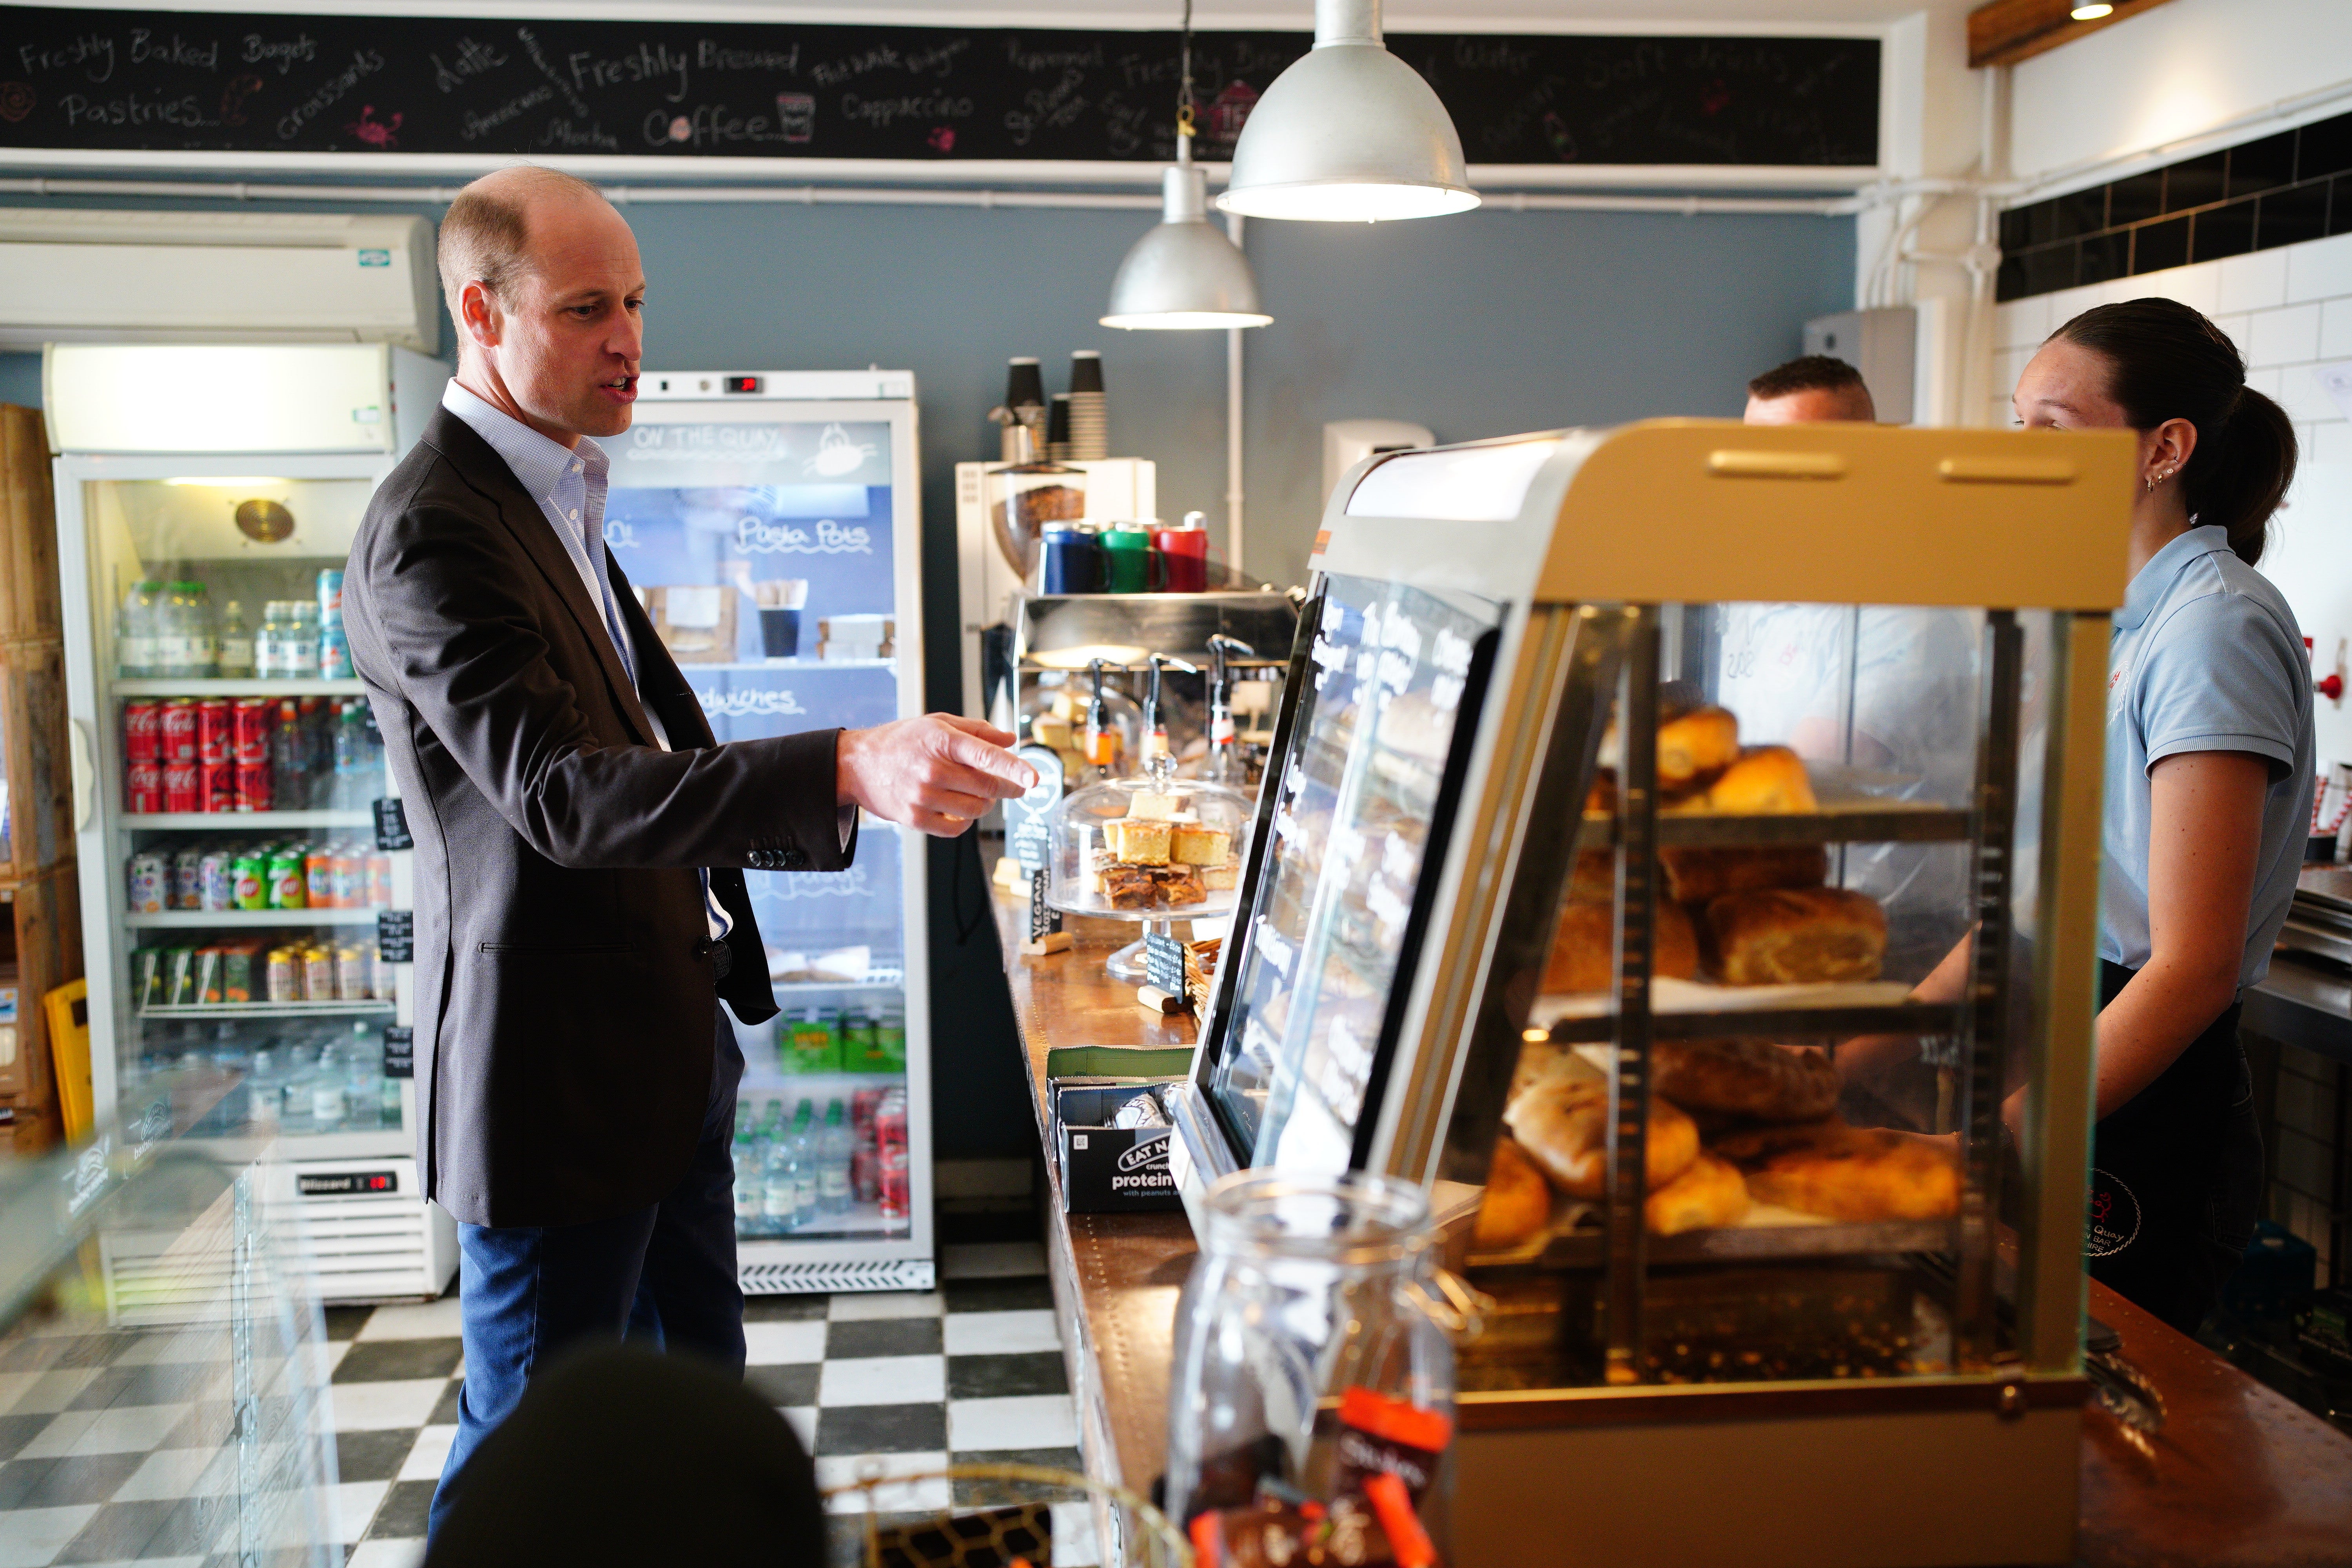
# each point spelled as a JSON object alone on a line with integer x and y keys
{"x": 1234, "y": 429}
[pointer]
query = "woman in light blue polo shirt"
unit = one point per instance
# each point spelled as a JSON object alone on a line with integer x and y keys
{"x": 2209, "y": 780}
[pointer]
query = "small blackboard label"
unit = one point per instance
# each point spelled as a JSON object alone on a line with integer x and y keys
{"x": 391, "y": 826}
{"x": 1043, "y": 918}
{"x": 1164, "y": 962}
{"x": 395, "y": 936}
{"x": 399, "y": 1051}
{"x": 1028, "y": 821}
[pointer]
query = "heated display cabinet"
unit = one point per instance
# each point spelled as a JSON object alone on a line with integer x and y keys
{"x": 1629, "y": 788}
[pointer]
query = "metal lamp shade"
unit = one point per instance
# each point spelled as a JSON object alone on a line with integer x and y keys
{"x": 1349, "y": 134}
{"x": 1185, "y": 275}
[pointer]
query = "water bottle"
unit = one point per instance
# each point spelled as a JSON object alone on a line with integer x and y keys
{"x": 266, "y": 1091}
{"x": 289, "y": 785}
{"x": 363, "y": 1081}
{"x": 303, "y": 637}
{"x": 137, "y": 651}
{"x": 745, "y": 1153}
{"x": 190, "y": 650}
{"x": 809, "y": 1192}
{"x": 350, "y": 758}
{"x": 833, "y": 1150}
{"x": 328, "y": 1106}
{"x": 236, "y": 647}
{"x": 301, "y": 1065}
{"x": 779, "y": 1188}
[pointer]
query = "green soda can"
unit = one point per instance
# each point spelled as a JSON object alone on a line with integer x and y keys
{"x": 289, "y": 889}
{"x": 249, "y": 875}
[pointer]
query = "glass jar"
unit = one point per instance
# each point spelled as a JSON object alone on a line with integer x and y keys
{"x": 1312, "y": 1348}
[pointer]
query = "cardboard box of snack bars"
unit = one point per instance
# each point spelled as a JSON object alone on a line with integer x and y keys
{"x": 1106, "y": 1168}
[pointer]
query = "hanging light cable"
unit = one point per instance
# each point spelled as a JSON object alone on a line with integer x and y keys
{"x": 1349, "y": 134}
{"x": 1185, "y": 275}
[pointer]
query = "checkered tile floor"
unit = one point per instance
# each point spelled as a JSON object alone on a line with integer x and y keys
{"x": 96, "y": 1464}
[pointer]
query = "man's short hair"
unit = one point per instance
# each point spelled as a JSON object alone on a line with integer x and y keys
{"x": 486, "y": 237}
{"x": 1807, "y": 373}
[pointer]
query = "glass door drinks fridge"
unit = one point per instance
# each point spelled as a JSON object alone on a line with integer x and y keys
{"x": 232, "y": 882}
{"x": 770, "y": 522}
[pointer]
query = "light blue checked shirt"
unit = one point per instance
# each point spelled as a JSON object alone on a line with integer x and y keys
{"x": 569, "y": 485}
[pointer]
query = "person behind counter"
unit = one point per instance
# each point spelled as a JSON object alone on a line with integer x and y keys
{"x": 2209, "y": 778}
{"x": 1885, "y": 688}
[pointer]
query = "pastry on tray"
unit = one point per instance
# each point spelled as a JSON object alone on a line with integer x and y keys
{"x": 1707, "y": 1195}
{"x": 1780, "y": 936}
{"x": 1130, "y": 886}
{"x": 1767, "y": 779}
{"x": 1518, "y": 1204}
{"x": 1752, "y": 1079}
{"x": 1562, "y": 1123}
{"x": 1580, "y": 949}
{"x": 1840, "y": 1172}
{"x": 1694, "y": 745}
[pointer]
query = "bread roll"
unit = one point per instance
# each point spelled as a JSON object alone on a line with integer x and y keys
{"x": 1581, "y": 957}
{"x": 1779, "y": 936}
{"x": 1518, "y": 1204}
{"x": 1709, "y": 1195}
{"x": 1695, "y": 744}
{"x": 1848, "y": 1173}
{"x": 1563, "y": 1121}
{"x": 1767, "y": 779}
{"x": 1745, "y": 1078}
{"x": 1694, "y": 875}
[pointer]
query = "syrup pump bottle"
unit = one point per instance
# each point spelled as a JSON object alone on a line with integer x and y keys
{"x": 1101, "y": 743}
{"x": 1224, "y": 765}
{"x": 1158, "y": 758}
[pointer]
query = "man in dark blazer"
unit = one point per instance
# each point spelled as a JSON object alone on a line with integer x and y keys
{"x": 580, "y": 839}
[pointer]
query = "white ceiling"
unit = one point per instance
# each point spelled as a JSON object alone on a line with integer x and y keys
{"x": 1404, "y": 15}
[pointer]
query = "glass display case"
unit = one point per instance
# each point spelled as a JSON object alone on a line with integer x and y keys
{"x": 1681, "y": 852}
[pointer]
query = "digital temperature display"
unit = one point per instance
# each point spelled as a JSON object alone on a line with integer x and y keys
{"x": 344, "y": 1184}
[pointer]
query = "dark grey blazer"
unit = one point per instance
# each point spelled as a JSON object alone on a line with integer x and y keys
{"x": 564, "y": 972}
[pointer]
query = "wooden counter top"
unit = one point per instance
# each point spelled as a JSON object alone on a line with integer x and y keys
{"x": 2240, "y": 1478}
{"x": 1116, "y": 1277}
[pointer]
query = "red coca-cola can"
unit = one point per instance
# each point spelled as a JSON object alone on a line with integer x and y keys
{"x": 180, "y": 781}
{"x": 141, "y": 742}
{"x": 177, "y": 728}
{"x": 250, "y": 720}
{"x": 217, "y": 786}
{"x": 252, "y": 786}
{"x": 143, "y": 785}
{"x": 213, "y": 738}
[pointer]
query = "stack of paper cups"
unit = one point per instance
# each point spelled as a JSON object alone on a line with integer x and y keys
{"x": 1089, "y": 415}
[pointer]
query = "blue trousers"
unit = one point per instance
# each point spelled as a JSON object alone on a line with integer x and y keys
{"x": 527, "y": 1293}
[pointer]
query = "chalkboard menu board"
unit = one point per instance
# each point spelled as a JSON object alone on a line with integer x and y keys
{"x": 218, "y": 81}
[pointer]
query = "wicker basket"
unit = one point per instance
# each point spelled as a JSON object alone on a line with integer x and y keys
{"x": 993, "y": 1516}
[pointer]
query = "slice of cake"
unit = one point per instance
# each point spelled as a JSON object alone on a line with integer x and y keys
{"x": 1130, "y": 888}
{"x": 1153, "y": 807}
{"x": 1138, "y": 843}
{"x": 1193, "y": 845}
{"x": 1223, "y": 878}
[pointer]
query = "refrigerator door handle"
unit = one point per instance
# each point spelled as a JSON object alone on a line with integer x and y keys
{"x": 85, "y": 774}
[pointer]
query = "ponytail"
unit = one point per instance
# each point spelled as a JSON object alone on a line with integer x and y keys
{"x": 2166, "y": 361}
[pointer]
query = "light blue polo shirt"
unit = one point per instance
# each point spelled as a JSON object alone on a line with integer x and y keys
{"x": 2207, "y": 657}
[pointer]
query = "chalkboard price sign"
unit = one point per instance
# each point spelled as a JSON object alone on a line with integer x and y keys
{"x": 499, "y": 88}
{"x": 399, "y": 1051}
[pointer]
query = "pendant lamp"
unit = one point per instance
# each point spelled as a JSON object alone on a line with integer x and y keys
{"x": 1185, "y": 275}
{"x": 1349, "y": 134}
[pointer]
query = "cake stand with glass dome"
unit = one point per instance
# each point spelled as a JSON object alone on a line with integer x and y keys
{"x": 1156, "y": 850}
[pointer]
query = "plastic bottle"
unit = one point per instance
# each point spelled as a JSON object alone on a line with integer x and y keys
{"x": 363, "y": 1080}
{"x": 351, "y": 757}
{"x": 189, "y": 648}
{"x": 328, "y": 1106}
{"x": 810, "y": 1193}
{"x": 745, "y": 1153}
{"x": 779, "y": 1187}
{"x": 237, "y": 647}
{"x": 137, "y": 651}
{"x": 289, "y": 785}
{"x": 833, "y": 1150}
{"x": 265, "y": 1092}
{"x": 301, "y": 637}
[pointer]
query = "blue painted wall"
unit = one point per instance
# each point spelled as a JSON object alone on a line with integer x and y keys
{"x": 1478, "y": 325}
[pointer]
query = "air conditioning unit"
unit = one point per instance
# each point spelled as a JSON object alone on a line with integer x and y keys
{"x": 190, "y": 277}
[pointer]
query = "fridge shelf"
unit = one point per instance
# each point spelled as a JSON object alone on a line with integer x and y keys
{"x": 236, "y": 686}
{"x": 167, "y": 1011}
{"x": 227, "y": 821}
{"x": 755, "y": 665}
{"x": 184, "y": 919}
{"x": 876, "y": 980}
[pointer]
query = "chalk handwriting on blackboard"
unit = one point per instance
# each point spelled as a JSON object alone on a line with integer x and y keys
{"x": 195, "y": 81}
